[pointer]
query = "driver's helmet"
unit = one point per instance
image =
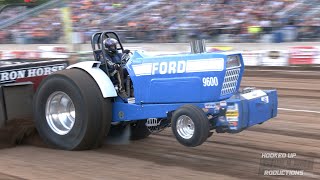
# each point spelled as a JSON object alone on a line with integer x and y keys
{"x": 110, "y": 45}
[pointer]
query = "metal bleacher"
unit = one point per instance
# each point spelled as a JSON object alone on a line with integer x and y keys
{"x": 134, "y": 9}
{"x": 30, "y": 12}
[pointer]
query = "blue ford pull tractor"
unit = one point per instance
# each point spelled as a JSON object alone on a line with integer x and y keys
{"x": 194, "y": 94}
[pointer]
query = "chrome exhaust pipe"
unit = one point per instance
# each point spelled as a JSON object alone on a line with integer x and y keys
{"x": 198, "y": 46}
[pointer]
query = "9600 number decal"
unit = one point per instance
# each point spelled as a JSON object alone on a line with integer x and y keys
{"x": 210, "y": 81}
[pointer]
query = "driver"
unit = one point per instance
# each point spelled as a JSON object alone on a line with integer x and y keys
{"x": 114, "y": 59}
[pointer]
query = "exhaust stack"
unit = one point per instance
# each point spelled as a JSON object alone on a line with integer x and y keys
{"x": 198, "y": 46}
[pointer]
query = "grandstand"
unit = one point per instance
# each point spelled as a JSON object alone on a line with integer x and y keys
{"x": 168, "y": 21}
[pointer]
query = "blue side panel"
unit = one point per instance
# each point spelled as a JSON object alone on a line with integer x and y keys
{"x": 181, "y": 78}
{"x": 171, "y": 89}
{"x": 128, "y": 112}
{"x": 180, "y": 91}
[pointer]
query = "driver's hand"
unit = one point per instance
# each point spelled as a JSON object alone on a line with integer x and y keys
{"x": 126, "y": 51}
{"x": 117, "y": 66}
{"x": 125, "y": 58}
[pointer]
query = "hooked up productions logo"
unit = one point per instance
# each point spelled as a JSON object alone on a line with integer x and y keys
{"x": 284, "y": 164}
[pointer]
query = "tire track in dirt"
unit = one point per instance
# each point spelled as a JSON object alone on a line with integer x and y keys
{"x": 5, "y": 176}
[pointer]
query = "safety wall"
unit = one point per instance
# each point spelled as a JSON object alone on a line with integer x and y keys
{"x": 20, "y": 55}
{"x": 252, "y": 58}
{"x": 274, "y": 58}
{"x": 301, "y": 55}
{"x": 293, "y": 56}
{"x": 43, "y": 52}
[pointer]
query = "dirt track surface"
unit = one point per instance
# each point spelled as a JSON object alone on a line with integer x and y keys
{"x": 223, "y": 156}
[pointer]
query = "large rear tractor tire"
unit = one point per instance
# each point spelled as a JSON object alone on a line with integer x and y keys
{"x": 190, "y": 125}
{"x": 70, "y": 112}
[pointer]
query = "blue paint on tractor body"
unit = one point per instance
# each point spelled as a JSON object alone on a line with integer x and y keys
{"x": 210, "y": 81}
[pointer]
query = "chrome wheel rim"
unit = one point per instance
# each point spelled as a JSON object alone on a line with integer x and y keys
{"x": 185, "y": 127}
{"x": 60, "y": 113}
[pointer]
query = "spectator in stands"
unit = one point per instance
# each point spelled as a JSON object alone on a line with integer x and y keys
{"x": 169, "y": 21}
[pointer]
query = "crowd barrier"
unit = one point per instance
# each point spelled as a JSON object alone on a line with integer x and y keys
{"x": 296, "y": 55}
{"x": 43, "y": 52}
{"x": 252, "y": 58}
{"x": 303, "y": 55}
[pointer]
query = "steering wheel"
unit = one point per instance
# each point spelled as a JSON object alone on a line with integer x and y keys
{"x": 125, "y": 57}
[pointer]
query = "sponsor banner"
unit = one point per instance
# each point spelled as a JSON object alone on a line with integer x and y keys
{"x": 19, "y": 55}
{"x": 303, "y": 55}
{"x": 20, "y": 70}
{"x": 58, "y": 52}
{"x": 251, "y": 58}
{"x": 275, "y": 58}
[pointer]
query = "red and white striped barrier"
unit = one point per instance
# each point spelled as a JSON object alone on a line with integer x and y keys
{"x": 303, "y": 55}
{"x": 20, "y": 55}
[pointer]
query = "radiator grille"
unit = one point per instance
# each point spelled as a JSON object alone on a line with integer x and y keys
{"x": 230, "y": 81}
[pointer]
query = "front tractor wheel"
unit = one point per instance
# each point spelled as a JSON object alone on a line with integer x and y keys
{"x": 70, "y": 112}
{"x": 190, "y": 125}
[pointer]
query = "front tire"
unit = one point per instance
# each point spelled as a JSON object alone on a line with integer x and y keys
{"x": 70, "y": 112}
{"x": 190, "y": 125}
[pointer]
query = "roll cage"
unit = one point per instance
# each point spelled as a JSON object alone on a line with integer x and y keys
{"x": 97, "y": 44}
